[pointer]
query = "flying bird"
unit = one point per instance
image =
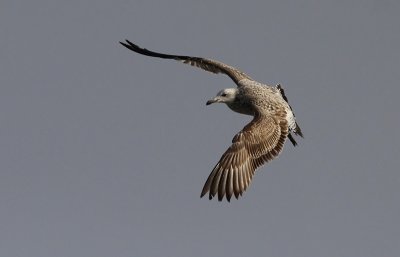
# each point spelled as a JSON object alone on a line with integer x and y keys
{"x": 258, "y": 142}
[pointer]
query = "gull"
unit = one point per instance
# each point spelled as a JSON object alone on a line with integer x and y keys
{"x": 258, "y": 142}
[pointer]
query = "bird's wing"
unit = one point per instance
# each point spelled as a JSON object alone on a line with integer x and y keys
{"x": 259, "y": 142}
{"x": 203, "y": 63}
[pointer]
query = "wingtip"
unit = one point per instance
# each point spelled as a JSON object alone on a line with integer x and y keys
{"x": 128, "y": 44}
{"x": 298, "y": 131}
{"x": 124, "y": 44}
{"x": 220, "y": 199}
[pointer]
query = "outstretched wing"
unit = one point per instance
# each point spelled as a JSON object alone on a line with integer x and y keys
{"x": 205, "y": 64}
{"x": 259, "y": 142}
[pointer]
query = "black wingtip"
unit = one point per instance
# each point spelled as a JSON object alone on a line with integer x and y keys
{"x": 135, "y": 48}
{"x": 128, "y": 44}
{"x": 298, "y": 131}
{"x": 124, "y": 44}
{"x": 292, "y": 139}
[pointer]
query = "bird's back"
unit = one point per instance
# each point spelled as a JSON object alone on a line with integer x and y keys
{"x": 261, "y": 98}
{"x": 267, "y": 100}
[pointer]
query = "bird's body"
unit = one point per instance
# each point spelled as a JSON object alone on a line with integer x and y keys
{"x": 259, "y": 141}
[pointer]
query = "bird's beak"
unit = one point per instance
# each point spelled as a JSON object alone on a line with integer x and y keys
{"x": 214, "y": 100}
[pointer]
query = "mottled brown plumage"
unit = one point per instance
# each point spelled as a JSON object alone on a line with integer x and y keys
{"x": 258, "y": 142}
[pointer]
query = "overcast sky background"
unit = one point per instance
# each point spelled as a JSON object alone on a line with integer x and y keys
{"x": 104, "y": 152}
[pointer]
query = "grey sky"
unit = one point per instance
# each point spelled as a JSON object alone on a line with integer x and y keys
{"x": 104, "y": 152}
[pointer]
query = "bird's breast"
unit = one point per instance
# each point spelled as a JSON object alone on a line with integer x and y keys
{"x": 241, "y": 107}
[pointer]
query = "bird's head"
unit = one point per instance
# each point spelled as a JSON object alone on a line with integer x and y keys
{"x": 226, "y": 96}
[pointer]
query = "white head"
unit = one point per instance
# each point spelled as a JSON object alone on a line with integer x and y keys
{"x": 226, "y": 95}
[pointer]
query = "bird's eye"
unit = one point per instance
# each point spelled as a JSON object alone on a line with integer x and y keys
{"x": 223, "y": 94}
